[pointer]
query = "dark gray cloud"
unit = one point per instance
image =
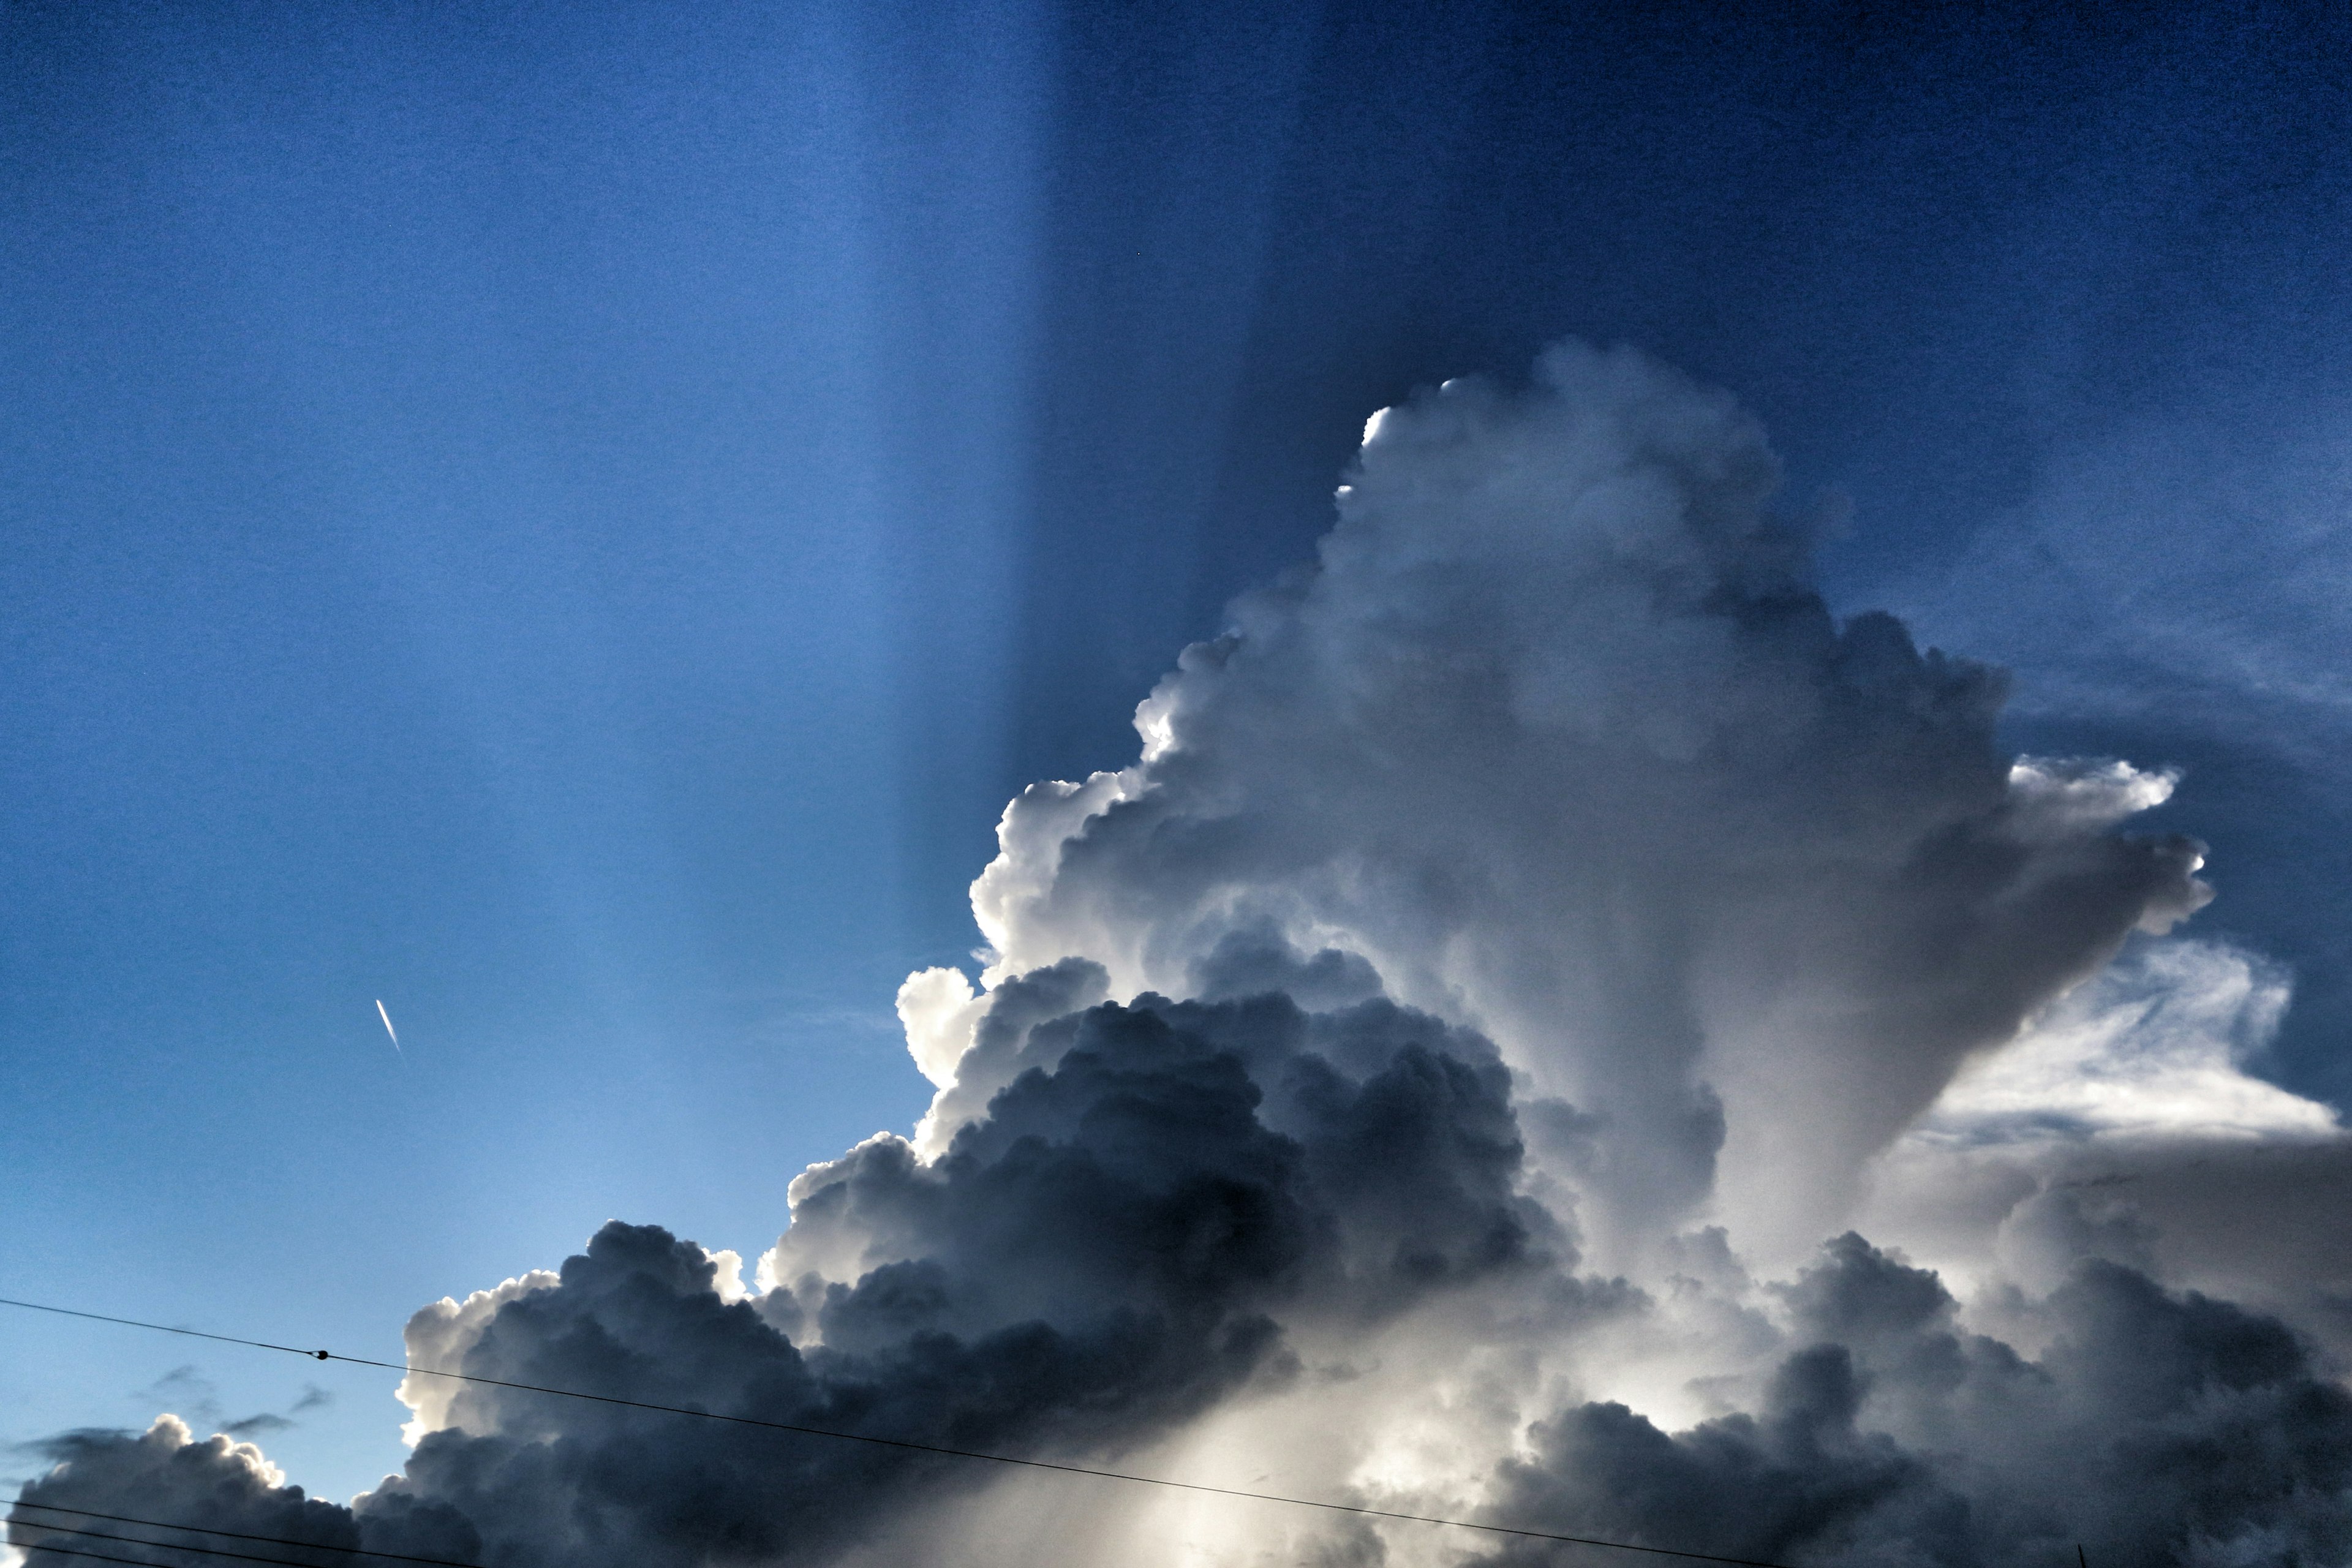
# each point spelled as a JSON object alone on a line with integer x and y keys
{"x": 1120, "y": 1243}
{"x": 2155, "y": 1427}
{"x": 1169, "y": 1211}
{"x": 166, "y": 1473}
{"x": 187, "y": 1390}
{"x": 1426, "y": 1076}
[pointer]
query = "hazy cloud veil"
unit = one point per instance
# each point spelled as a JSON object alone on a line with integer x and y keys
{"x": 1456, "y": 1068}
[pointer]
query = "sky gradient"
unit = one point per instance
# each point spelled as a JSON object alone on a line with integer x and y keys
{"x": 573, "y": 522}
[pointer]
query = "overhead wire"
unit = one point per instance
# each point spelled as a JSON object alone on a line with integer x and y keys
{"x": 102, "y": 1556}
{"x": 186, "y": 1546}
{"x": 1359, "y": 1509}
{"x": 209, "y": 1530}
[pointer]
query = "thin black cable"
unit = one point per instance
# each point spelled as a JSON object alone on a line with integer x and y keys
{"x": 1357, "y": 1509}
{"x": 136, "y": 1562}
{"x": 162, "y": 1327}
{"x": 209, "y": 1529}
{"x": 180, "y": 1546}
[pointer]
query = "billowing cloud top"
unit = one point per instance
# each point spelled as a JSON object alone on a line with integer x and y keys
{"x": 1445, "y": 1072}
{"x": 1559, "y": 741}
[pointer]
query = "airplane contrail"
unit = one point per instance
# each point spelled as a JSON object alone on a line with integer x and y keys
{"x": 387, "y": 1025}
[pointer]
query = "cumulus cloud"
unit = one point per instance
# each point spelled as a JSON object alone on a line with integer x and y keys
{"x": 1560, "y": 740}
{"x": 2155, "y": 1048}
{"x": 1192, "y": 1198}
{"x": 2122, "y": 1123}
{"x": 2155, "y": 1428}
{"x": 1428, "y": 1076}
{"x": 166, "y": 1473}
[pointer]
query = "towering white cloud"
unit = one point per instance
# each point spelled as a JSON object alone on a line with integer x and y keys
{"x": 1442, "y": 1071}
{"x": 1557, "y": 738}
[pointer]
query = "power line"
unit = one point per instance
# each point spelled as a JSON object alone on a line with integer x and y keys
{"x": 166, "y": 1328}
{"x": 1357, "y": 1509}
{"x": 182, "y": 1546}
{"x": 209, "y": 1529}
{"x": 138, "y": 1562}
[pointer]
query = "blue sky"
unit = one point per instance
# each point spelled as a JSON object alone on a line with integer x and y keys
{"x": 574, "y": 520}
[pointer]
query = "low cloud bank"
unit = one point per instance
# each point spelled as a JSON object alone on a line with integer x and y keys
{"x": 1455, "y": 1069}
